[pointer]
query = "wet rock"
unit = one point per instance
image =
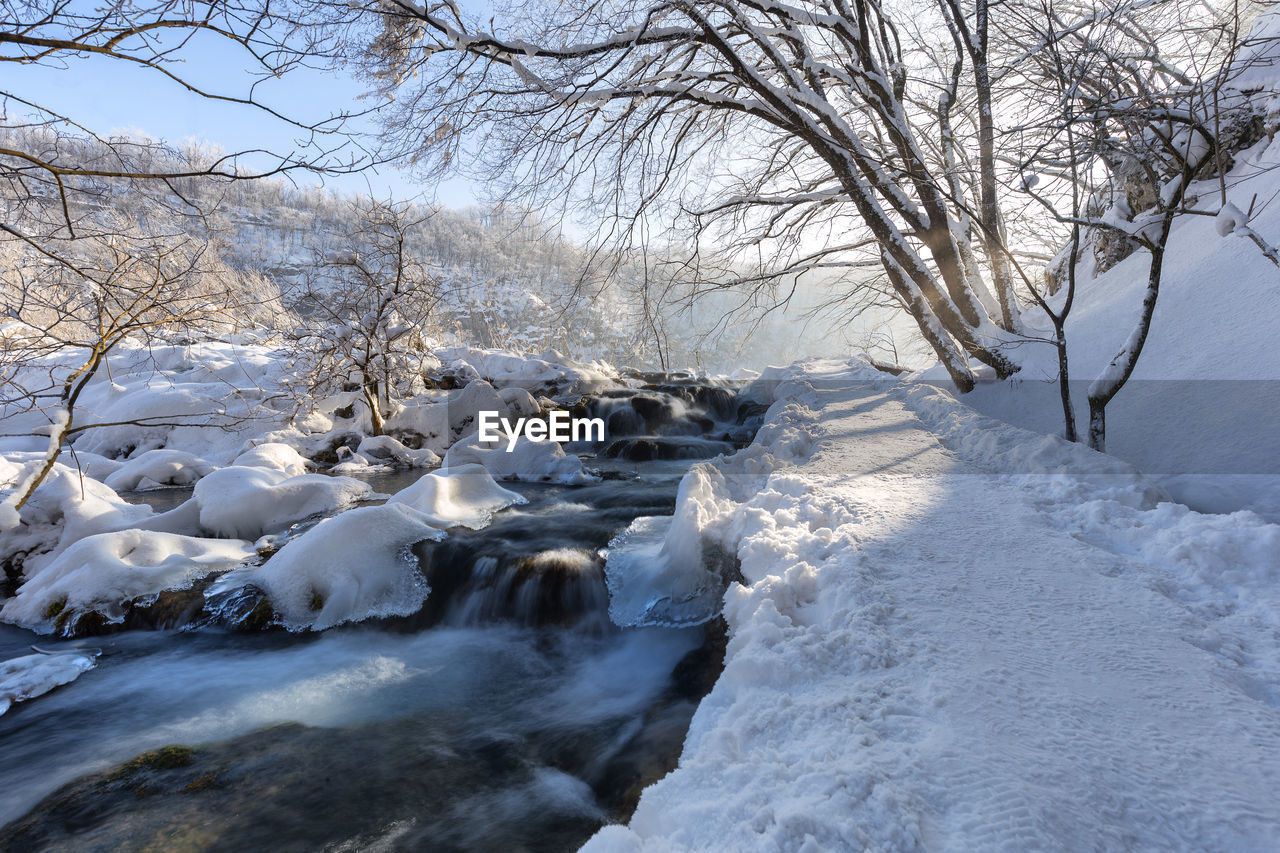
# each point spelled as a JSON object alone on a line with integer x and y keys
{"x": 244, "y": 608}
{"x": 696, "y": 673}
{"x": 554, "y": 587}
{"x": 749, "y": 409}
{"x": 294, "y": 788}
{"x": 624, "y": 422}
{"x": 172, "y": 608}
{"x": 657, "y": 411}
{"x": 650, "y": 448}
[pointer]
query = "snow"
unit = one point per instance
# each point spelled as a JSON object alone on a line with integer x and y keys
{"x": 465, "y": 406}
{"x": 956, "y": 634}
{"x": 532, "y": 461}
{"x": 463, "y": 496}
{"x": 157, "y": 468}
{"x": 507, "y": 369}
{"x": 273, "y": 454}
{"x": 246, "y": 503}
{"x": 655, "y": 568}
{"x": 29, "y": 676}
{"x": 425, "y": 416}
{"x": 66, "y": 508}
{"x": 1198, "y": 413}
{"x": 381, "y": 449}
{"x": 351, "y": 567}
{"x": 102, "y": 572}
{"x": 1229, "y": 219}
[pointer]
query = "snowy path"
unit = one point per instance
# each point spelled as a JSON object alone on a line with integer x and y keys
{"x": 925, "y": 658}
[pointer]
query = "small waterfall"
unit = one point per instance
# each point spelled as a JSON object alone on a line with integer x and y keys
{"x": 560, "y": 586}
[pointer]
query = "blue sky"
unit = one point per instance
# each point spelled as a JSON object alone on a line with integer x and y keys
{"x": 113, "y": 96}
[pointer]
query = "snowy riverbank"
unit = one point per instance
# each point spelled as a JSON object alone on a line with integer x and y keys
{"x": 929, "y": 652}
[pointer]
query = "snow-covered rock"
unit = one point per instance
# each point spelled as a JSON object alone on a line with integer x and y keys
{"x": 532, "y": 461}
{"x": 385, "y": 449}
{"x": 275, "y": 455}
{"x": 156, "y": 468}
{"x": 545, "y": 371}
{"x": 351, "y": 567}
{"x": 465, "y": 406}
{"x": 463, "y": 496}
{"x": 66, "y": 508}
{"x": 424, "y": 416}
{"x": 245, "y": 503}
{"x": 102, "y": 572}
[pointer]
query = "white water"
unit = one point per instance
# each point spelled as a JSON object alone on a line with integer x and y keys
{"x": 156, "y": 689}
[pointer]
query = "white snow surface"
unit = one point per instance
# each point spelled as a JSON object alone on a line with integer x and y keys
{"x": 248, "y": 502}
{"x": 66, "y": 508}
{"x": 933, "y": 652}
{"x": 1199, "y": 413}
{"x": 273, "y": 454}
{"x": 509, "y": 370}
{"x": 157, "y": 468}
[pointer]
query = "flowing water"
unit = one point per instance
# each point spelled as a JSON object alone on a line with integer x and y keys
{"x": 508, "y": 714}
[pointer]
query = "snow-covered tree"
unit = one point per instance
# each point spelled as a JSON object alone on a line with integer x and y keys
{"x": 751, "y": 142}
{"x": 67, "y": 306}
{"x": 760, "y": 124}
{"x": 367, "y": 309}
{"x": 1130, "y": 117}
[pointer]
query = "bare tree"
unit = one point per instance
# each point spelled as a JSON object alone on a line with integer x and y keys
{"x": 757, "y": 124}
{"x": 51, "y": 167}
{"x": 70, "y": 307}
{"x": 1132, "y": 128}
{"x": 87, "y": 273}
{"x": 366, "y": 309}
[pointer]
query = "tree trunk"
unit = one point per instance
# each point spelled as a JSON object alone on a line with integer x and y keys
{"x": 1098, "y": 425}
{"x": 951, "y": 355}
{"x": 375, "y": 409}
{"x": 1117, "y": 372}
{"x": 1064, "y": 388}
{"x": 989, "y": 201}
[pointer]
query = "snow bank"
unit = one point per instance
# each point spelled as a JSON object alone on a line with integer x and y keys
{"x": 532, "y": 461}
{"x": 245, "y": 503}
{"x": 274, "y": 455}
{"x": 157, "y": 468}
{"x": 65, "y": 508}
{"x": 351, "y": 567}
{"x": 30, "y": 676}
{"x": 656, "y": 572}
{"x": 673, "y": 571}
{"x": 426, "y": 416}
{"x": 906, "y": 600}
{"x": 101, "y": 573}
{"x": 463, "y": 496}
{"x": 465, "y": 406}
{"x": 1198, "y": 414}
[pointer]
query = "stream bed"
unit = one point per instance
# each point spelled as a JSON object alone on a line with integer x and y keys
{"x": 509, "y": 714}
